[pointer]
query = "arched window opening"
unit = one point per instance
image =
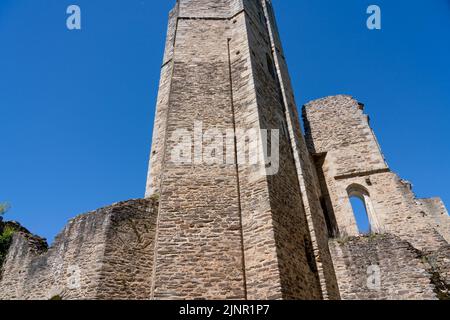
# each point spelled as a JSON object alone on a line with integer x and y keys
{"x": 366, "y": 219}
{"x": 361, "y": 215}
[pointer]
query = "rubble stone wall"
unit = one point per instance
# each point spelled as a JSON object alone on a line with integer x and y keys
{"x": 381, "y": 267}
{"x": 338, "y": 132}
{"x": 103, "y": 254}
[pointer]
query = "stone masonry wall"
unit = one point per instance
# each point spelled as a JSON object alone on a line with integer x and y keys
{"x": 199, "y": 244}
{"x": 262, "y": 273}
{"x": 222, "y": 230}
{"x": 105, "y": 254}
{"x": 298, "y": 272}
{"x": 438, "y": 263}
{"x": 339, "y": 133}
{"x": 209, "y": 9}
{"x": 393, "y": 203}
{"x": 304, "y": 166}
{"x": 338, "y": 127}
{"x": 437, "y": 213}
{"x": 412, "y": 249}
{"x": 403, "y": 273}
{"x": 240, "y": 234}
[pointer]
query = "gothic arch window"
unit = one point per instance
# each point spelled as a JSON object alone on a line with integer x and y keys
{"x": 364, "y": 213}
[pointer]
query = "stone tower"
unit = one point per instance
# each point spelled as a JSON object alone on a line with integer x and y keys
{"x": 222, "y": 230}
{"x": 239, "y": 205}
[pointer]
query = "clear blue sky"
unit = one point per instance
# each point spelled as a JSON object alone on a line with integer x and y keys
{"x": 77, "y": 107}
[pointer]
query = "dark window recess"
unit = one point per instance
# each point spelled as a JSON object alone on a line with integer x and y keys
{"x": 270, "y": 66}
{"x": 284, "y": 129}
{"x": 325, "y": 201}
{"x": 261, "y": 18}
{"x": 309, "y": 251}
{"x": 331, "y": 231}
{"x": 271, "y": 15}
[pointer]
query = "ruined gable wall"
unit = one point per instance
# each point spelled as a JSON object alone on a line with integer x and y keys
{"x": 338, "y": 126}
{"x": 437, "y": 213}
{"x": 412, "y": 249}
{"x": 394, "y": 205}
{"x": 127, "y": 264}
{"x": 338, "y": 130}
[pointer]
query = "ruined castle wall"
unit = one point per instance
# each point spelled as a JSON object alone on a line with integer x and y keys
{"x": 439, "y": 265}
{"x": 434, "y": 209}
{"x": 82, "y": 263}
{"x": 401, "y": 270}
{"x": 127, "y": 263}
{"x": 338, "y": 127}
{"x": 30, "y": 274}
{"x": 15, "y": 268}
{"x": 393, "y": 203}
{"x": 339, "y": 132}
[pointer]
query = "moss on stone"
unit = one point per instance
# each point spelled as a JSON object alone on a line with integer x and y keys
{"x": 344, "y": 239}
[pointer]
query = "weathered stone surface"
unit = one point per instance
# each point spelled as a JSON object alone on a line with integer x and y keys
{"x": 225, "y": 230}
{"x": 403, "y": 273}
{"x": 349, "y": 162}
{"x": 105, "y": 254}
{"x": 435, "y": 210}
{"x": 260, "y": 238}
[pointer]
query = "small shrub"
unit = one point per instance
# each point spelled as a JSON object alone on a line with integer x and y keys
{"x": 5, "y": 241}
{"x": 3, "y": 208}
{"x": 155, "y": 197}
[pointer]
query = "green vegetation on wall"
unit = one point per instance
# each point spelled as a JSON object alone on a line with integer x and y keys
{"x": 3, "y": 208}
{"x": 6, "y": 234}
